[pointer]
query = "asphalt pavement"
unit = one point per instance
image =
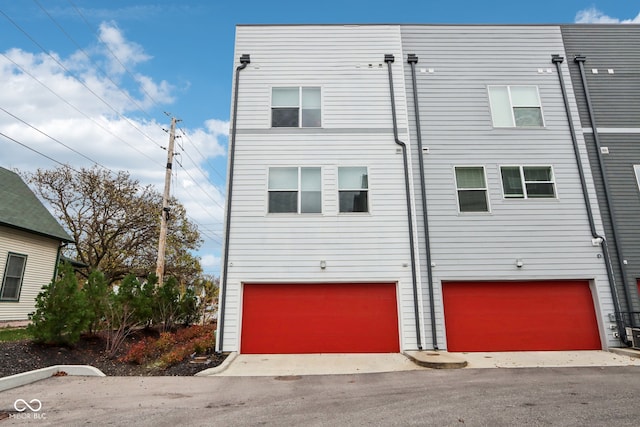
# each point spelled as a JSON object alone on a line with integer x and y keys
{"x": 593, "y": 396}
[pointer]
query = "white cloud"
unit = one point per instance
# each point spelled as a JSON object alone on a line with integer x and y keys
{"x": 104, "y": 125}
{"x": 121, "y": 52}
{"x": 594, "y": 16}
{"x": 210, "y": 261}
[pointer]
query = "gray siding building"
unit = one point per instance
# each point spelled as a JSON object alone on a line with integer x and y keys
{"x": 401, "y": 187}
{"x": 605, "y": 69}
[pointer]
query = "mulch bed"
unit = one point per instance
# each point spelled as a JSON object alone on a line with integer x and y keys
{"x": 25, "y": 355}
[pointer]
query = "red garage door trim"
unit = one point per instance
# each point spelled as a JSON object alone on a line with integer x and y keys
{"x": 320, "y": 318}
{"x": 520, "y": 316}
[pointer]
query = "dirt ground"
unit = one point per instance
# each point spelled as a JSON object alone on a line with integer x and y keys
{"x": 23, "y": 356}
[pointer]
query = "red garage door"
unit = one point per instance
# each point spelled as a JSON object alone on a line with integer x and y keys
{"x": 319, "y": 318}
{"x": 520, "y": 316}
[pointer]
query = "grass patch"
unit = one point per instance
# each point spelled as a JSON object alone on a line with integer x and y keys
{"x": 14, "y": 334}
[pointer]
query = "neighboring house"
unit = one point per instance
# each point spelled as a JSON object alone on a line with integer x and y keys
{"x": 30, "y": 240}
{"x": 608, "y": 59}
{"x": 328, "y": 247}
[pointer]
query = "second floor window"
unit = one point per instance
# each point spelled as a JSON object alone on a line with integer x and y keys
{"x": 295, "y": 190}
{"x": 353, "y": 189}
{"x": 472, "y": 189}
{"x": 515, "y": 106}
{"x": 527, "y": 182}
{"x": 293, "y": 107}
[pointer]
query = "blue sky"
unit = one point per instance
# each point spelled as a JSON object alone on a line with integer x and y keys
{"x": 99, "y": 76}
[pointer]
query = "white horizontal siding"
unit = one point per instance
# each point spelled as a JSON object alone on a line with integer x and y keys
{"x": 551, "y": 236}
{"x": 356, "y": 110}
{"x": 41, "y": 259}
{"x": 336, "y": 58}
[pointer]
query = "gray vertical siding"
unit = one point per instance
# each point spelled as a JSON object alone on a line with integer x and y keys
{"x": 616, "y": 104}
{"x": 551, "y": 236}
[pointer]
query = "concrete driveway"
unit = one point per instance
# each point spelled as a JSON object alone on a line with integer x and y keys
{"x": 253, "y": 365}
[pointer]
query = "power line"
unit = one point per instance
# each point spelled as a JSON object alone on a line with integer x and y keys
{"x": 36, "y": 151}
{"x": 61, "y": 65}
{"x": 201, "y": 155}
{"x": 79, "y": 12}
{"x": 76, "y": 108}
{"x": 103, "y": 72}
{"x": 199, "y": 186}
{"x": 54, "y": 139}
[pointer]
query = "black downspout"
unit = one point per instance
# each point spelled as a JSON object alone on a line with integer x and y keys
{"x": 579, "y": 59}
{"x": 557, "y": 60}
{"x": 59, "y": 253}
{"x": 389, "y": 60}
{"x": 413, "y": 60}
{"x": 244, "y": 61}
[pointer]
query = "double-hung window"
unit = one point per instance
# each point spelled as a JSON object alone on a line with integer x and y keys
{"x": 293, "y": 107}
{"x": 13, "y": 275}
{"x": 515, "y": 106}
{"x": 528, "y": 182}
{"x": 295, "y": 190}
{"x": 471, "y": 186}
{"x": 353, "y": 189}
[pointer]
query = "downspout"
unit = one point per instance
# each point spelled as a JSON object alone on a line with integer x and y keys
{"x": 244, "y": 61}
{"x": 389, "y": 60}
{"x": 557, "y": 60}
{"x": 413, "y": 60}
{"x": 580, "y": 59}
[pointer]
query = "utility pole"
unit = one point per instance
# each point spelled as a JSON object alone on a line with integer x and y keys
{"x": 164, "y": 215}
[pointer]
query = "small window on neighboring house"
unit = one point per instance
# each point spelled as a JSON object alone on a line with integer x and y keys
{"x": 636, "y": 168}
{"x": 293, "y": 107}
{"x": 295, "y": 190}
{"x": 353, "y": 189}
{"x": 472, "y": 189}
{"x": 13, "y": 275}
{"x": 515, "y": 106}
{"x": 528, "y": 182}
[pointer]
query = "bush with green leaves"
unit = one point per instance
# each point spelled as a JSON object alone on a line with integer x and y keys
{"x": 96, "y": 290}
{"x": 62, "y": 312}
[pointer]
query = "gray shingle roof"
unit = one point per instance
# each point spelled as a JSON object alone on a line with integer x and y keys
{"x": 20, "y": 208}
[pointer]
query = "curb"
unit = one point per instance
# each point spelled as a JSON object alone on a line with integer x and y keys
{"x": 625, "y": 352}
{"x": 435, "y": 359}
{"x": 29, "y": 377}
{"x": 221, "y": 367}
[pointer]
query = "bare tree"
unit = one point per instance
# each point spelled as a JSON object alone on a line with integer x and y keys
{"x": 115, "y": 221}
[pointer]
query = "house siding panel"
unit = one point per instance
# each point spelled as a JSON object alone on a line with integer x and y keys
{"x": 552, "y": 237}
{"x": 616, "y": 104}
{"x": 41, "y": 256}
{"x": 356, "y": 131}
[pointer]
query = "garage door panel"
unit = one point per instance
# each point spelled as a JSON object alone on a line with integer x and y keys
{"x": 520, "y": 316}
{"x": 319, "y": 318}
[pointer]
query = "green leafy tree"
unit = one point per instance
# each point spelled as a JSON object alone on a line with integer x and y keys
{"x": 96, "y": 291}
{"x": 62, "y": 312}
{"x": 128, "y": 307}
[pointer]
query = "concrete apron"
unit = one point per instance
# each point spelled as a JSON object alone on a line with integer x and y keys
{"x": 336, "y": 364}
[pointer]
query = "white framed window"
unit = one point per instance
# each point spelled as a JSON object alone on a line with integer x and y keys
{"x": 515, "y": 106}
{"x": 636, "y": 169}
{"x": 294, "y": 107}
{"x": 295, "y": 190}
{"x": 13, "y": 276}
{"x": 471, "y": 186}
{"x": 528, "y": 182}
{"x": 353, "y": 189}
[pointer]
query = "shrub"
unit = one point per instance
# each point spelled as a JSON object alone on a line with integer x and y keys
{"x": 96, "y": 291}
{"x": 172, "y": 347}
{"x": 62, "y": 312}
